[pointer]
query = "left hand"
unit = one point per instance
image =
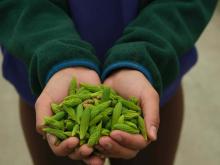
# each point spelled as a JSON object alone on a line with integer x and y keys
{"x": 129, "y": 83}
{"x": 55, "y": 90}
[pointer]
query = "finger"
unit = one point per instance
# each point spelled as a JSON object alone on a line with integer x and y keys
{"x": 115, "y": 150}
{"x": 42, "y": 109}
{"x": 132, "y": 141}
{"x": 81, "y": 153}
{"x": 94, "y": 160}
{"x": 150, "y": 106}
{"x": 64, "y": 148}
{"x": 76, "y": 155}
{"x": 85, "y": 150}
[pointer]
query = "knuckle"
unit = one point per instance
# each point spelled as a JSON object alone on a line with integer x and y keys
{"x": 60, "y": 151}
{"x": 153, "y": 120}
{"x": 156, "y": 122}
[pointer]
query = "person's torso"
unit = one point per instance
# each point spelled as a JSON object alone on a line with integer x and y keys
{"x": 98, "y": 22}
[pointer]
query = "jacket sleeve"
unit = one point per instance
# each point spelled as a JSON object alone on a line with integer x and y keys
{"x": 42, "y": 34}
{"x": 161, "y": 33}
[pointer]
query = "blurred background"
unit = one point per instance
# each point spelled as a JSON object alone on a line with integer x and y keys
{"x": 200, "y": 137}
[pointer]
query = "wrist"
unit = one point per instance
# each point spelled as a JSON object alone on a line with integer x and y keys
{"x": 124, "y": 72}
{"x": 127, "y": 66}
{"x": 120, "y": 72}
{"x": 126, "y": 75}
{"x": 75, "y": 71}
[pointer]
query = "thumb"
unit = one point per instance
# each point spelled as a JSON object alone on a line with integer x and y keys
{"x": 150, "y": 106}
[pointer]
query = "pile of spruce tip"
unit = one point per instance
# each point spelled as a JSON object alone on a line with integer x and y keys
{"x": 92, "y": 111}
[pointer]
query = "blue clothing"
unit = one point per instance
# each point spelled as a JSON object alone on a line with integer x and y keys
{"x": 106, "y": 21}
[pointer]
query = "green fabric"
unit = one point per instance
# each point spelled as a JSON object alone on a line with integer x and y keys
{"x": 163, "y": 31}
{"x": 41, "y": 33}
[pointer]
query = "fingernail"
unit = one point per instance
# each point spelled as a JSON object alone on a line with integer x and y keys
{"x": 153, "y": 131}
{"x": 118, "y": 138}
{"x": 108, "y": 146}
{"x": 51, "y": 139}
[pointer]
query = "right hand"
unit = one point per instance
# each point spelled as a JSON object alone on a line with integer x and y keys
{"x": 54, "y": 92}
{"x": 129, "y": 82}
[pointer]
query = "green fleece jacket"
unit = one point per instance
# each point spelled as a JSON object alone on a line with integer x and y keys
{"x": 42, "y": 34}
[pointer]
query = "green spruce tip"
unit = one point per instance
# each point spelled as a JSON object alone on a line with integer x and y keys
{"x": 94, "y": 137}
{"x": 73, "y": 86}
{"x": 84, "y": 123}
{"x": 106, "y": 94}
{"x": 116, "y": 113}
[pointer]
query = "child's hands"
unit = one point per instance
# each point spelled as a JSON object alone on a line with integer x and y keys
{"x": 132, "y": 83}
{"x": 55, "y": 90}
